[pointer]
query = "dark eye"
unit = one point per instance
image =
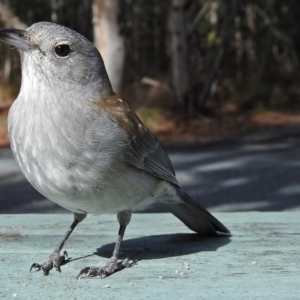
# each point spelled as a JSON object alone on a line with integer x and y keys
{"x": 62, "y": 50}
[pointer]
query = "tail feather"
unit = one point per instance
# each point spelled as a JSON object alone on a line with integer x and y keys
{"x": 196, "y": 217}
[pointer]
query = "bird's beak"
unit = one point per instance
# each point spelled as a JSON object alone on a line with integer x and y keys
{"x": 16, "y": 38}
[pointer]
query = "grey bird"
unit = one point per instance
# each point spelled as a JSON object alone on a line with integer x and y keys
{"x": 82, "y": 147}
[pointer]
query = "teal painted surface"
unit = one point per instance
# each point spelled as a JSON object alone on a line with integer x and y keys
{"x": 260, "y": 260}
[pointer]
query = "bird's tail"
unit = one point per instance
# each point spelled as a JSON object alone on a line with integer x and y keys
{"x": 196, "y": 217}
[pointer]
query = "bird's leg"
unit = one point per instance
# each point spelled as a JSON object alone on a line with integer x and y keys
{"x": 56, "y": 259}
{"x": 112, "y": 265}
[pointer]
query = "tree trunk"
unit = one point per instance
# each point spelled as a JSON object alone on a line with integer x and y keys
{"x": 9, "y": 19}
{"x": 180, "y": 61}
{"x": 225, "y": 38}
{"x": 108, "y": 39}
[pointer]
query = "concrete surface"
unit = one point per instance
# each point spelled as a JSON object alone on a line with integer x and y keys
{"x": 260, "y": 260}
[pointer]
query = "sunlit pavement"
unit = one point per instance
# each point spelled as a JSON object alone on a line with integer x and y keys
{"x": 225, "y": 176}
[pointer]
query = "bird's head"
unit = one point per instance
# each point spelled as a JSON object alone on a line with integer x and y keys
{"x": 57, "y": 54}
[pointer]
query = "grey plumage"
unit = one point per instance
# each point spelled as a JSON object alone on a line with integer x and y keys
{"x": 80, "y": 145}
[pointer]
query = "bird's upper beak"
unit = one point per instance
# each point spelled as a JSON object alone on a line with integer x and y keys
{"x": 16, "y": 38}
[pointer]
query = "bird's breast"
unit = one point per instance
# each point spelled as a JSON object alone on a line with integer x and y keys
{"x": 67, "y": 156}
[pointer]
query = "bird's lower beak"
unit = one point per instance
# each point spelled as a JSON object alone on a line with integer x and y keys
{"x": 16, "y": 38}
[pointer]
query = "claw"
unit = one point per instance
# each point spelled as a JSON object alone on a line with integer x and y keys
{"x": 92, "y": 271}
{"x": 83, "y": 271}
{"x": 111, "y": 267}
{"x": 55, "y": 260}
{"x": 36, "y": 266}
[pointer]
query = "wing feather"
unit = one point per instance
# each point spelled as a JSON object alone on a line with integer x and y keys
{"x": 142, "y": 149}
{"x": 146, "y": 153}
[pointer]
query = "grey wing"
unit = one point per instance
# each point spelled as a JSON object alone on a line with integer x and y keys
{"x": 145, "y": 153}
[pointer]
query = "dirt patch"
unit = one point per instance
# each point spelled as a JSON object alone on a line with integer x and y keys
{"x": 205, "y": 130}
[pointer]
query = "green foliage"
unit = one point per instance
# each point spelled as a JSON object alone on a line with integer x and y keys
{"x": 259, "y": 108}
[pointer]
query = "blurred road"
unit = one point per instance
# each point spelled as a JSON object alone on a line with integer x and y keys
{"x": 225, "y": 176}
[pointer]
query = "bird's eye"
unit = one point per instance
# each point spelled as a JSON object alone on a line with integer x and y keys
{"x": 62, "y": 50}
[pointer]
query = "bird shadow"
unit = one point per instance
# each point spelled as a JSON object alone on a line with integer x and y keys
{"x": 164, "y": 245}
{"x": 160, "y": 246}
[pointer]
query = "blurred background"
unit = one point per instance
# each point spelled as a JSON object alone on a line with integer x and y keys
{"x": 221, "y": 77}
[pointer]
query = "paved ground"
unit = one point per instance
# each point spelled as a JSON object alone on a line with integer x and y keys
{"x": 258, "y": 172}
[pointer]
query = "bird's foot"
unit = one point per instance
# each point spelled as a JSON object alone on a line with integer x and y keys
{"x": 55, "y": 260}
{"x": 111, "y": 267}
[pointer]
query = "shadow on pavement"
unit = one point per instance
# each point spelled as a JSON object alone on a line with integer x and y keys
{"x": 158, "y": 246}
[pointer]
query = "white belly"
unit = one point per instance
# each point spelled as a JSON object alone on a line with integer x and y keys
{"x": 63, "y": 162}
{"x": 86, "y": 189}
